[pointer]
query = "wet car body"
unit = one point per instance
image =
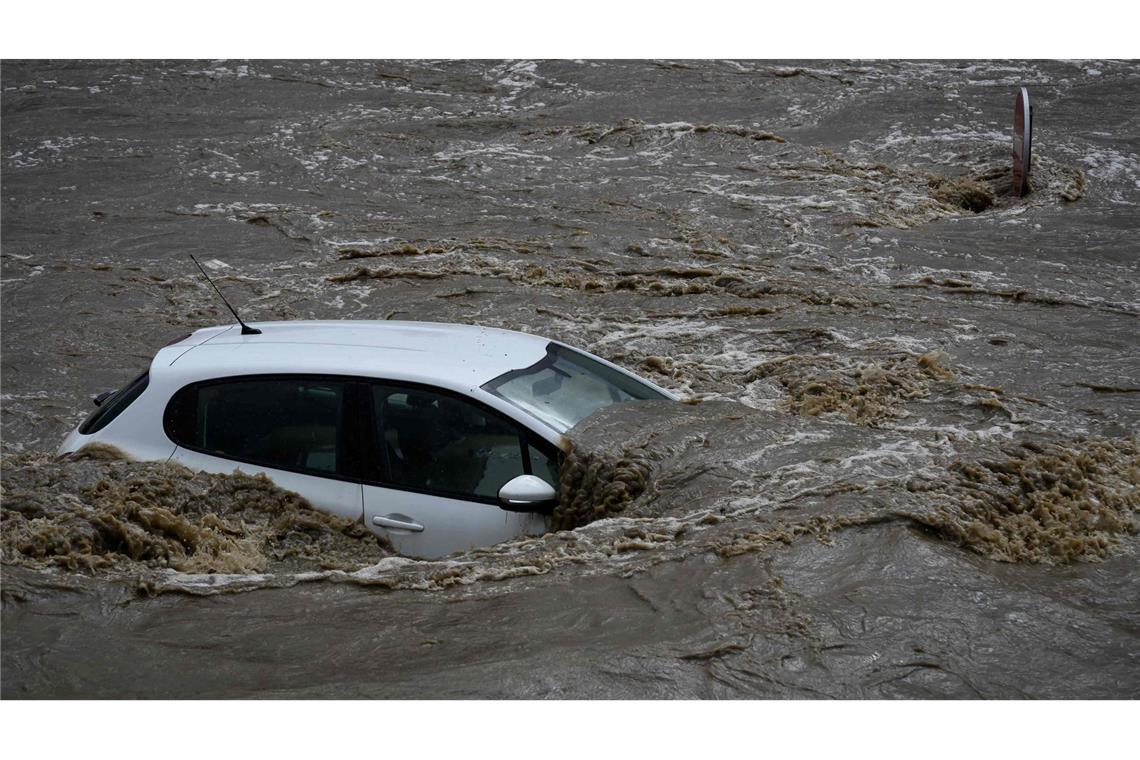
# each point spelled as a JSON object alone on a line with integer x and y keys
{"x": 439, "y": 437}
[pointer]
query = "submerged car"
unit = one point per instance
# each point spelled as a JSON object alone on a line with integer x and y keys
{"x": 440, "y": 437}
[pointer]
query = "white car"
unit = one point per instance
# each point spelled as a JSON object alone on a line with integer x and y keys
{"x": 440, "y": 437}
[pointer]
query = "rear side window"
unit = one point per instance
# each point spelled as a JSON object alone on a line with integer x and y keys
{"x": 114, "y": 406}
{"x": 284, "y": 423}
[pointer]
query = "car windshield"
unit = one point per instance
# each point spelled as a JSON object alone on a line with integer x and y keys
{"x": 565, "y": 387}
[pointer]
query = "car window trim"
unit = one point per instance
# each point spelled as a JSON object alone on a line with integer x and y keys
{"x": 351, "y": 411}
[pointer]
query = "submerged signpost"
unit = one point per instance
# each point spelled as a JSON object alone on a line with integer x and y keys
{"x": 1022, "y": 142}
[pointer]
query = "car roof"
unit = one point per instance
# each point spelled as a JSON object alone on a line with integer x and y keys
{"x": 450, "y": 355}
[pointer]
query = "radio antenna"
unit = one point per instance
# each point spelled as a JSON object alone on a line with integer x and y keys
{"x": 245, "y": 329}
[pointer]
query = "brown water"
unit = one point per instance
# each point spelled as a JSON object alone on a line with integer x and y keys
{"x": 911, "y": 469}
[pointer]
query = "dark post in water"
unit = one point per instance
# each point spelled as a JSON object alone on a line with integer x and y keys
{"x": 1022, "y": 142}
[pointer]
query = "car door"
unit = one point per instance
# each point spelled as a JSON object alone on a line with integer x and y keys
{"x": 434, "y": 465}
{"x": 293, "y": 428}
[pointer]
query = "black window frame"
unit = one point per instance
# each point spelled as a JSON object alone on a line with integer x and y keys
{"x": 377, "y": 453}
{"x": 112, "y": 407}
{"x": 348, "y": 459}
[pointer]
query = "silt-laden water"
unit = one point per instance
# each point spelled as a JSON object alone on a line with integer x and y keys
{"x": 909, "y": 466}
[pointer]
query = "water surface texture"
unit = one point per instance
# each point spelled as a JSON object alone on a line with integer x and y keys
{"x": 910, "y": 463}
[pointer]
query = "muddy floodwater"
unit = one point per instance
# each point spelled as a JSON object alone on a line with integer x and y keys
{"x": 908, "y": 464}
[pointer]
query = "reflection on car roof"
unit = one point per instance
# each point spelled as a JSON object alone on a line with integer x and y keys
{"x": 446, "y": 354}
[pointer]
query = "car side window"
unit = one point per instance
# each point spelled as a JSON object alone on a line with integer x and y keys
{"x": 285, "y": 423}
{"x": 438, "y": 443}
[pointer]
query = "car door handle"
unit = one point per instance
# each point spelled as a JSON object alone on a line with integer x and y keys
{"x": 391, "y": 521}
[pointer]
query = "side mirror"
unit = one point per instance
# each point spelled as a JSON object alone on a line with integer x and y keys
{"x": 528, "y": 493}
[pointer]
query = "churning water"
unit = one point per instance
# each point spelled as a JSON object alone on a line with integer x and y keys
{"x": 909, "y": 464}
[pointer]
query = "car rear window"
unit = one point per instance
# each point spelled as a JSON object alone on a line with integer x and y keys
{"x": 114, "y": 406}
{"x": 284, "y": 423}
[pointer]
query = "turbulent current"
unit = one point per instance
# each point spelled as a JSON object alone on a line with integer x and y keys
{"x": 908, "y": 461}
